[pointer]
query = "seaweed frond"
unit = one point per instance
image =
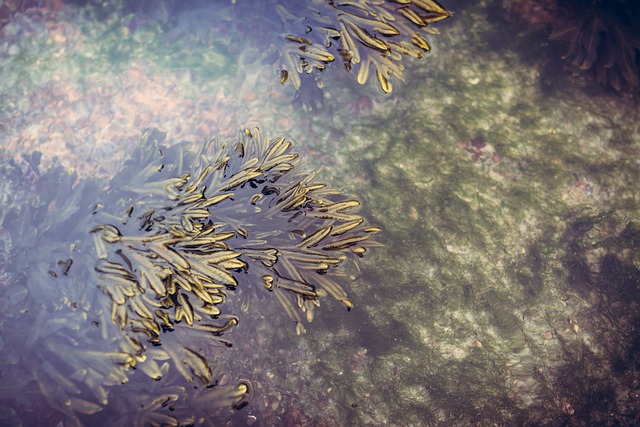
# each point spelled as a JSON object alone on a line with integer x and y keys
{"x": 368, "y": 37}
{"x": 102, "y": 279}
{"x": 602, "y": 37}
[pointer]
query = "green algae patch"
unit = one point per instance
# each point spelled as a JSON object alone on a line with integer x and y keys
{"x": 81, "y": 43}
{"x": 509, "y": 215}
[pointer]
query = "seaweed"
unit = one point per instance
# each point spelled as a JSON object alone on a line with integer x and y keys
{"x": 115, "y": 293}
{"x": 367, "y": 37}
{"x": 603, "y": 37}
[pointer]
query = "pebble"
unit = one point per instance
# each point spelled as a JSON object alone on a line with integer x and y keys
{"x": 13, "y": 50}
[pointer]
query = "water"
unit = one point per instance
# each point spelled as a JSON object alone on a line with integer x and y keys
{"x": 506, "y": 292}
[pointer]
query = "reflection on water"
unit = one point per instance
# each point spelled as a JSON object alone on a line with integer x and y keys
{"x": 507, "y": 288}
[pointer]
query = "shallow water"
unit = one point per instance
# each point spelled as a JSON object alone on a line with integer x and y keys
{"x": 506, "y": 292}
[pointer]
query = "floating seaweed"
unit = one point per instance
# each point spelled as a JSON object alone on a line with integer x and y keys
{"x": 603, "y": 36}
{"x": 122, "y": 308}
{"x": 369, "y": 37}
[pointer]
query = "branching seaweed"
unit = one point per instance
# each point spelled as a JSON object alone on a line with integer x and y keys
{"x": 135, "y": 274}
{"x": 367, "y": 36}
{"x": 603, "y": 36}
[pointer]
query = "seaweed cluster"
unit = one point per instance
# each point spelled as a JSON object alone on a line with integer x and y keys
{"x": 603, "y": 36}
{"x": 367, "y": 36}
{"x": 114, "y": 294}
